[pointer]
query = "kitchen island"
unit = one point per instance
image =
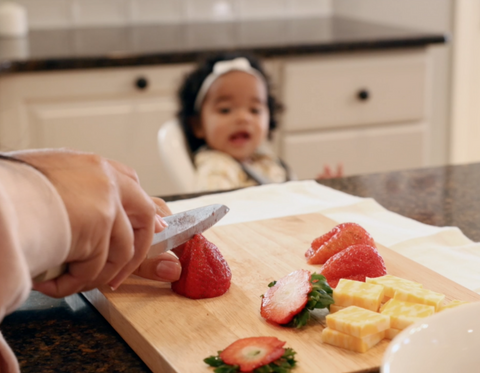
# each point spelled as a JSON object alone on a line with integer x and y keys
{"x": 50, "y": 335}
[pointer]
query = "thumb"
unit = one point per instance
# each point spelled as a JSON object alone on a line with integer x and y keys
{"x": 164, "y": 267}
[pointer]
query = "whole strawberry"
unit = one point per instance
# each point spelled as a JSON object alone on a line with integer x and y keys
{"x": 289, "y": 300}
{"x": 355, "y": 263}
{"x": 338, "y": 239}
{"x": 205, "y": 273}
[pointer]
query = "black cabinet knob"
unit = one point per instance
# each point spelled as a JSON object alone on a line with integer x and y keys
{"x": 363, "y": 95}
{"x": 141, "y": 83}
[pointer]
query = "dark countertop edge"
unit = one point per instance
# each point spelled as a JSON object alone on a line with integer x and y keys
{"x": 175, "y": 57}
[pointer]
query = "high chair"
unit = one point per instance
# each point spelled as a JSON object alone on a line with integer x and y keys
{"x": 177, "y": 167}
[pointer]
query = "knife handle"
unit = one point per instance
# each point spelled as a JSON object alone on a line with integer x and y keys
{"x": 50, "y": 274}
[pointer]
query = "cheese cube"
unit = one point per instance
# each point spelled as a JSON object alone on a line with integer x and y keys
{"x": 334, "y": 308}
{"x": 452, "y": 304}
{"x": 348, "y": 342}
{"x": 421, "y": 296}
{"x": 403, "y": 314}
{"x": 391, "y": 284}
{"x": 391, "y": 333}
{"x": 357, "y": 322}
{"x": 356, "y": 293}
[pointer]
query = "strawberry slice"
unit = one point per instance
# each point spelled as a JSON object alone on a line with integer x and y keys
{"x": 252, "y": 353}
{"x": 354, "y": 263}
{"x": 205, "y": 273}
{"x": 290, "y": 299}
{"x": 264, "y": 354}
{"x": 338, "y": 239}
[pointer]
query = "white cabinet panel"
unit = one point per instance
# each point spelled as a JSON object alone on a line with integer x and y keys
{"x": 360, "y": 151}
{"x": 325, "y": 92}
{"x": 124, "y": 130}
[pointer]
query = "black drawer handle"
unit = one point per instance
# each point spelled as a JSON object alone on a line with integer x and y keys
{"x": 141, "y": 83}
{"x": 363, "y": 95}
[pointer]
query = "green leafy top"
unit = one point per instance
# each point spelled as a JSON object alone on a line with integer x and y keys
{"x": 282, "y": 365}
{"x": 319, "y": 297}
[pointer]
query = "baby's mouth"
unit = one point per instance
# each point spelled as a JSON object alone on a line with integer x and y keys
{"x": 239, "y": 137}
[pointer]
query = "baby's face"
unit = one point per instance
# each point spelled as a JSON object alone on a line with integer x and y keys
{"x": 234, "y": 117}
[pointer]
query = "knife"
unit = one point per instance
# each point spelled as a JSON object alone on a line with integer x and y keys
{"x": 181, "y": 228}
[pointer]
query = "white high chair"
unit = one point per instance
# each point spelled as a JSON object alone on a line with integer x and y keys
{"x": 177, "y": 167}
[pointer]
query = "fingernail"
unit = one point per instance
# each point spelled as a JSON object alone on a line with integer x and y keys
{"x": 160, "y": 221}
{"x": 168, "y": 271}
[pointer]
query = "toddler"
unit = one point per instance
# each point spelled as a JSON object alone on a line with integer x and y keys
{"x": 227, "y": 114}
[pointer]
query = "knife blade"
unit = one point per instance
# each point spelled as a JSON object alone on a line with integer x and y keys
{"x": 181, "y": 227}
{"x": 184, "y": 225}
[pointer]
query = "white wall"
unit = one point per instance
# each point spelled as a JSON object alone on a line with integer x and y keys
{"x": 426, "y": 15}
{"x": 91, "y": 13}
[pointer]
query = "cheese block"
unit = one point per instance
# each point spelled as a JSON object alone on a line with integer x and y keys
{"x": 391, "y": 284}
{"x": 403, "y": 314}
{"x": 357, "y": 322}
{"x": 391, "y": 333}
{"x": 334, "y": 308}
{"x": 356, "y": 293}
{"x": 421, "y": 296}
{"x": 348, "y": 342}
{"x": 452, "y": 304}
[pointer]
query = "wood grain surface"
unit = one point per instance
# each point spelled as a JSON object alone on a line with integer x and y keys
{"x": 174, "y": 334}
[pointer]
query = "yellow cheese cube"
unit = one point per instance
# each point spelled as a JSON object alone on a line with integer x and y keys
{"x": 334, "y": 308}
{"x": 452, "y": 304}
{"x": 421, "y": 296}
{"x": 356, "y": 293}
{"x": 348, "y": 342}
{"x": 392, "y": 283}
{"x": 403, "y": 314}
{"x": 391, "y": 333}
{"x": 357, "y": 322}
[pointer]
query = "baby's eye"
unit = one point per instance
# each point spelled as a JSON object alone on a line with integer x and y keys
{"x": 224, "y": 110}
{"x": 255, "y": 110}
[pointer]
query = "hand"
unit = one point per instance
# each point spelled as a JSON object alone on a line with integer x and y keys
{"x": 329, "y": 174}
{"x": 112, "y": 219}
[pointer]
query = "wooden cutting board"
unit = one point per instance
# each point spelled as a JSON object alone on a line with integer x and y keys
{"x": 174, "y": 334}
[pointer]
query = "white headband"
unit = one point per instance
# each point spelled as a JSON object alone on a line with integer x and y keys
{"x": 220, "y": 68}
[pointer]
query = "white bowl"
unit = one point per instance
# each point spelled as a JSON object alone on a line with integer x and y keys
{"x": 447, "y": 342}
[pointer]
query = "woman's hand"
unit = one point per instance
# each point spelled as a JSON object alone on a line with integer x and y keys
{"x": 112, "y": 219}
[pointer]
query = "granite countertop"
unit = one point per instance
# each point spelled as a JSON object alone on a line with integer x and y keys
{"x": 52, "y": 335}
{"x": 60, "y": 49}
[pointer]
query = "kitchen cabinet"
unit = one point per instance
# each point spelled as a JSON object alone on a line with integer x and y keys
{"x": 366, "y": 110}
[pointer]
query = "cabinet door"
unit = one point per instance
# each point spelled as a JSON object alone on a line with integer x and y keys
{"x": 360, "y": 151}
{"x": 124, "y": 130}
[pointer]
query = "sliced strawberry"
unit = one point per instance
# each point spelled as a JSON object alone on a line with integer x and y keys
{"x": 252, "y": 353}
{"x": 287, "y": 297}
{"x": 338, "y": 239}
{"x": 205, "y": 273}
{"x": 354, "y": 263}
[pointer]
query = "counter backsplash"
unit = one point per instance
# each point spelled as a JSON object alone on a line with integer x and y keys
{"x": 45, "y": 14}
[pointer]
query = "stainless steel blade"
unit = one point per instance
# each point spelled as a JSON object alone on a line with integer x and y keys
{"x": 184, "y": 225}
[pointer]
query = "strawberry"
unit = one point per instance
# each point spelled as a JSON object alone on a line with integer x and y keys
{"x": 289, "y": 300}
{"x": 338, "y": 239}
{"x": 205, "y": 273}
{"x": 354, "y": 263}
{"x": 248, "y": 354}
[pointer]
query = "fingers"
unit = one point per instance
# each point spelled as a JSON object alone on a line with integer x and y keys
{"x": 164, "y": 267}
{"x": 161, "y": 207}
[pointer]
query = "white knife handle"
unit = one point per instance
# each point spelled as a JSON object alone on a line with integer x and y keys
{"x": 51, "y": 273}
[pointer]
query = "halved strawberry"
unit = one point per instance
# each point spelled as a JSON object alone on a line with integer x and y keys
{"x": 248, "y": 354}
{"x": 354, "y": 263}
{"x": 338, "y": 239}
{"x": 290, "y": 299}
{"x": 205, "y": 273}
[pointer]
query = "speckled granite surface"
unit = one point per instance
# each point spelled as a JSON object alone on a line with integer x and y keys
{"x": 69, "y": 335}
{"x": 88, "y": 48}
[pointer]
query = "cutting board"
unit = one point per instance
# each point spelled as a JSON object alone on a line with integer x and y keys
{"x": 171, "y": 333}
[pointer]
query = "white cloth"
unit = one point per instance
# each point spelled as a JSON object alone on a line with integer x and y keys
{"x": 34, "y": 236}
{"x": 445, "y": 250}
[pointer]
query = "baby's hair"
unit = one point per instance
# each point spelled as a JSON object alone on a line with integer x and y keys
{"x": 191, "y": 85}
